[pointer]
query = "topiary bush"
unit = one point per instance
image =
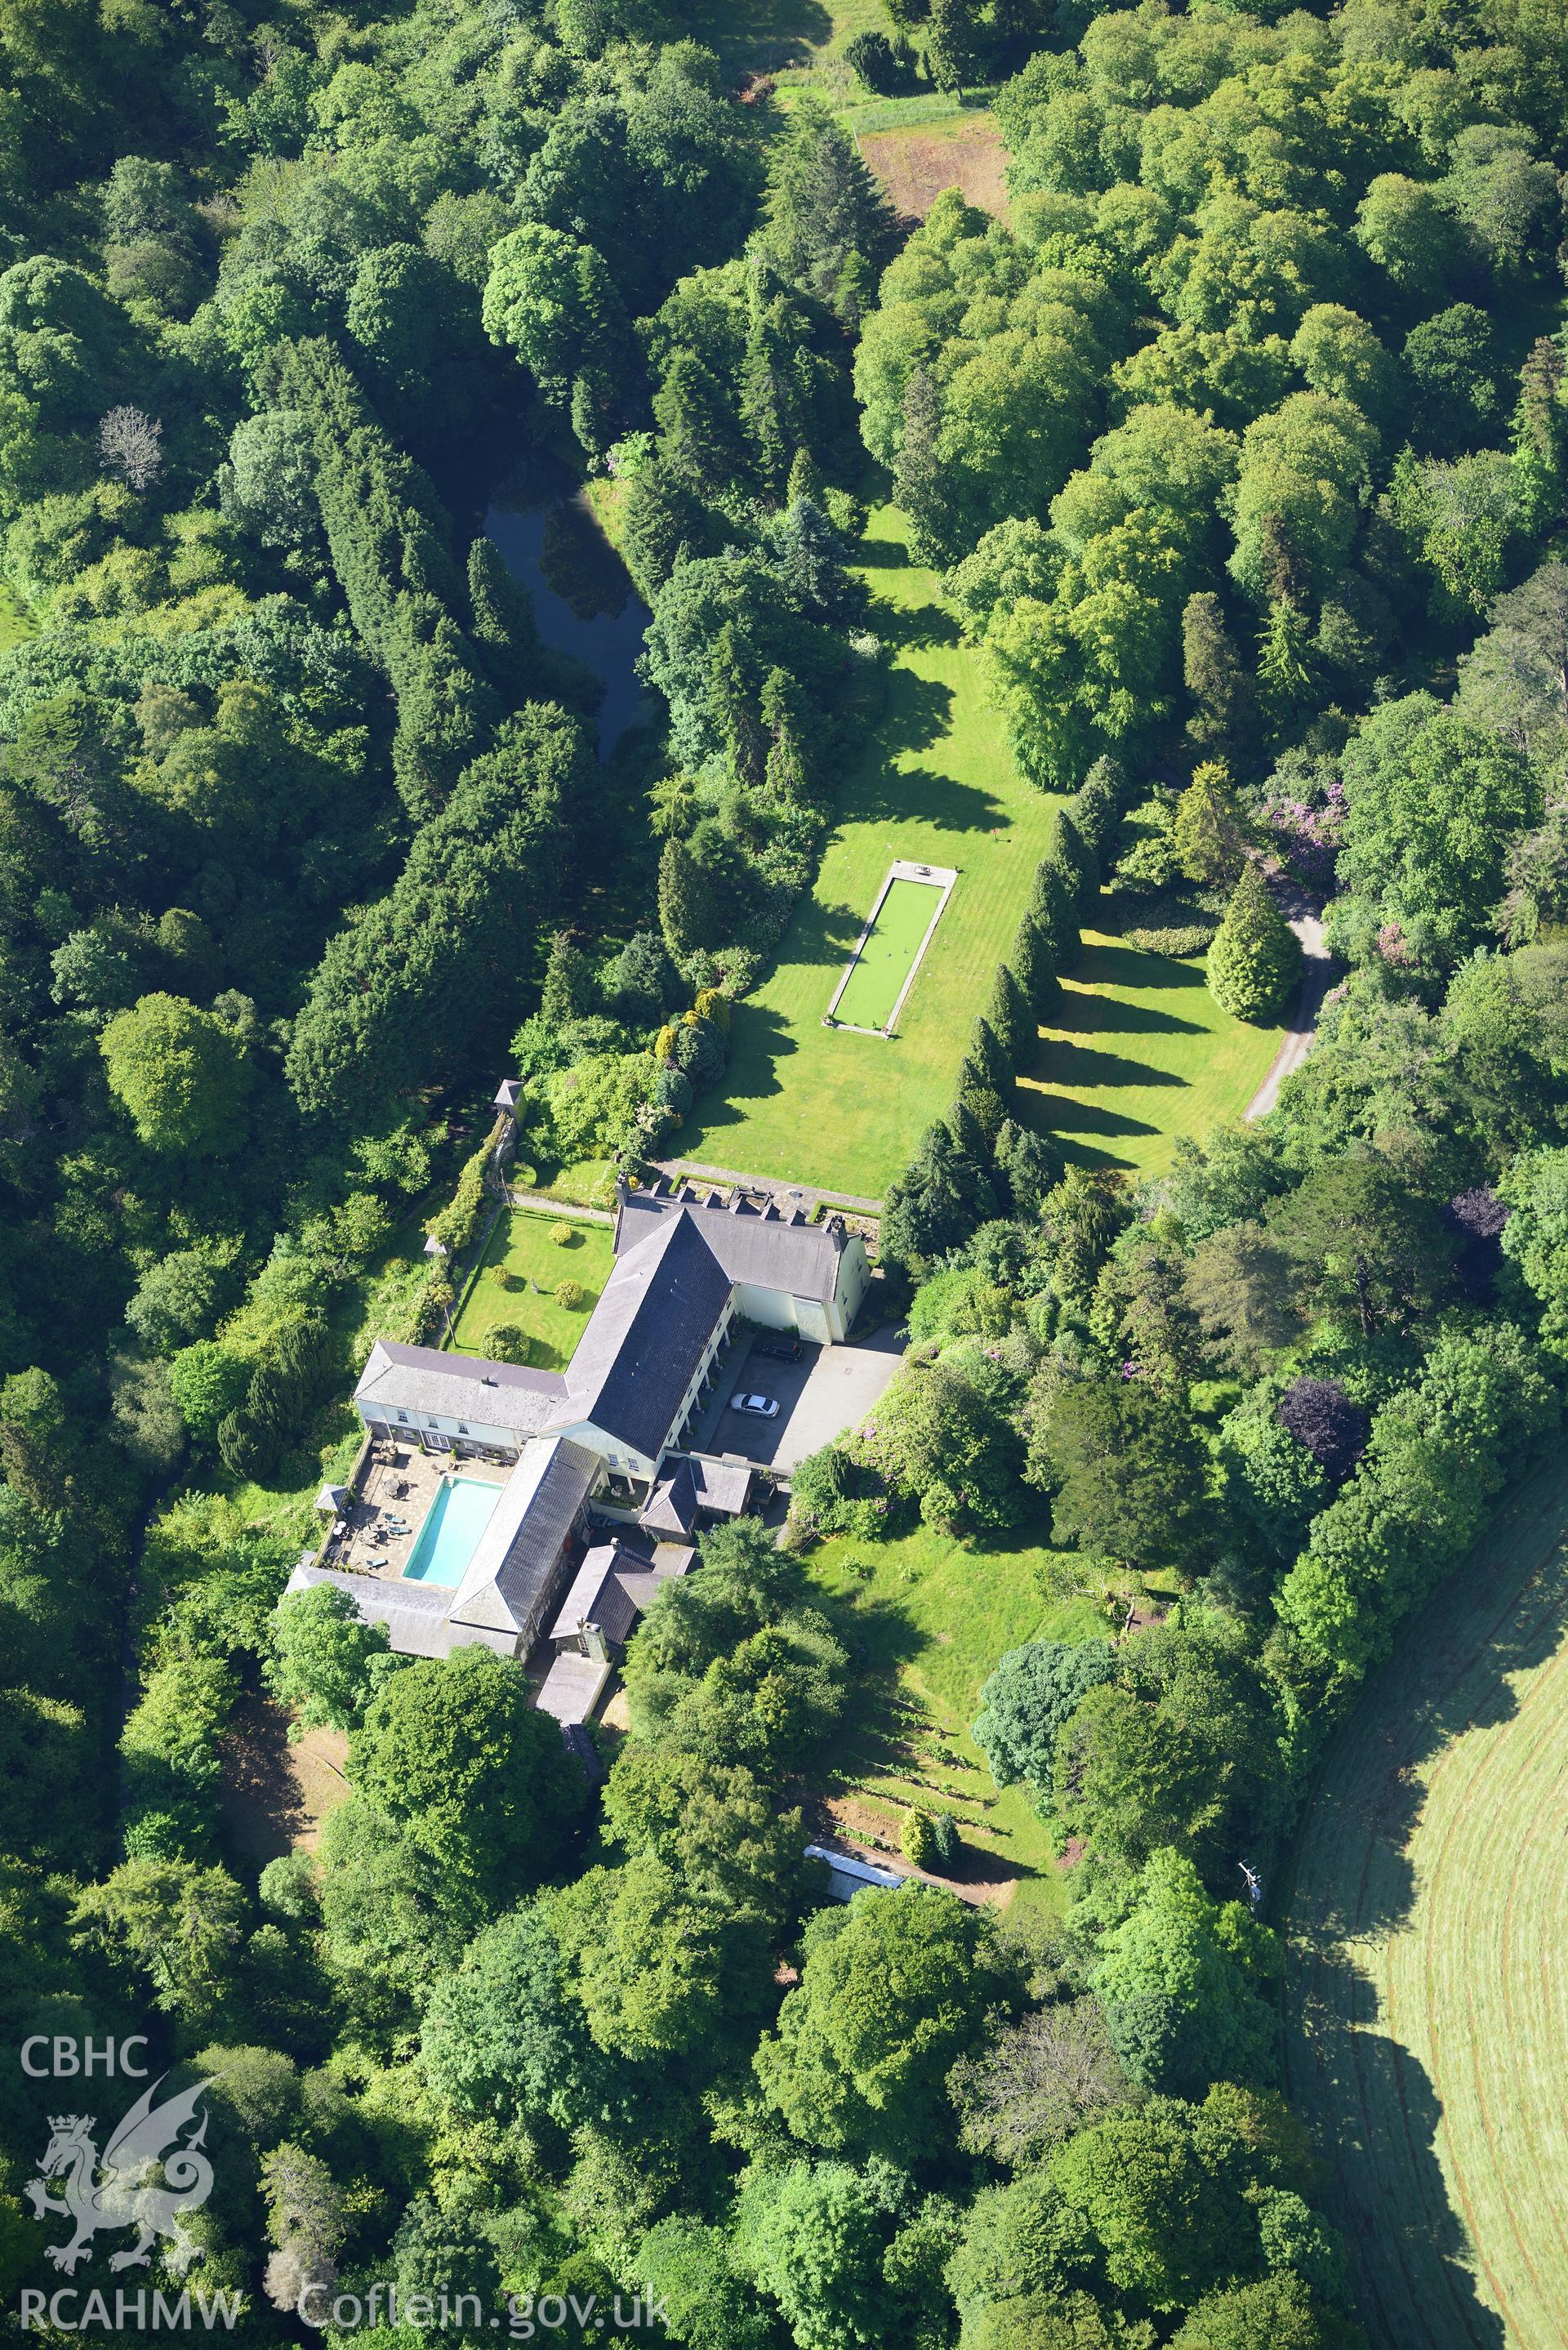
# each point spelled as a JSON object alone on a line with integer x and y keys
{"x": 563, "y": 1235}
{"x": 571, "y": 1294}
{"x": 944, "y": 1843}
{"x": 918, "y": 1840}
{"x": 1255, "y": 962}
{"x": 504, "y": 1344}
{"x": 502, "y": 1275}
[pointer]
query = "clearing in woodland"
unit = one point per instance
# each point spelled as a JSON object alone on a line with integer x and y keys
{"x": 937, "y": 785}
{"x": 1427, "y": 1999}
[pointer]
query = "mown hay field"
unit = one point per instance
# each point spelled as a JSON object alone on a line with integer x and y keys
{"x": 1427, "y": 1996}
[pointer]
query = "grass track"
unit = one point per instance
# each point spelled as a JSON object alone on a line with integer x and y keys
{"x": 1427, "y": 1994}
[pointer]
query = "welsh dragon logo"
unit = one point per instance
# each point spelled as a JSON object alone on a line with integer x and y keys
{"x": 116, "y": 2189}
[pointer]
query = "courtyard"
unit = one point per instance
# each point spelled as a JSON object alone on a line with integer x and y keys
{"x": 826, "y": 1392}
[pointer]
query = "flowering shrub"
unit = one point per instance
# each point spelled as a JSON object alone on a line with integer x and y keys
{"x": 1308, "y": 832}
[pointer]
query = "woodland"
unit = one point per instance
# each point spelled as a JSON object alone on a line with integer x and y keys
{"x": 1240, "y": 444}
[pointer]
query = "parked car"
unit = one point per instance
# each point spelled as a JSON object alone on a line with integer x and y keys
{"x": 760, "y": 1407}
{"x": 781, "y": 1349}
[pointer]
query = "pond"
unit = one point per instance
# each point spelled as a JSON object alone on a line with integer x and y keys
{"x": 584, "y": 601}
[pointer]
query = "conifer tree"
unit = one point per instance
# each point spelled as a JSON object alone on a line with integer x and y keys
{"x": 1054, "y": 913}
{"x": 1224, "y": 719}
{"x": 1028, "y": 1165}
{"x": 783, "y": 715}
{"x": 687, "y": 911}
{"x": 663, "y": 519}
{"x": 1285, "y": 664}
{"x": 505, "y": 631}
{"x": 1255, "y": 961}
{"x": 734, "y": 710}
{"x": 1097, "y": 809}
{"x": 696, "y": 431}
{"x": 805, "y": 479}
{"x": 919, "y": 479}
{"x": 1208, "y": 831}
{"x": 936, "y": 1205}
{"x": 1011, "y": 1016}
{"x": 1034, "y": 965}
{"x": 993, "y": 1063}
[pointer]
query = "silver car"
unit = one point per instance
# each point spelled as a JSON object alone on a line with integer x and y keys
{"x": 760, "y": 1407}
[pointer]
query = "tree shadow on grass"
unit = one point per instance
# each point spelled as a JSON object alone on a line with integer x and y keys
{"x": 763, "y": 36}
{"x": 1096, "y": 1015}
{"x": 916, "y": 625}
{"x": 1503, "y": 1613}
{"x": 1113, "y": 964}
{"x": 1410, "y": 2251}
{"x": 924, "y": 796}
{"x": 917, "y": 716}
{"x": 1063, "y": 1062}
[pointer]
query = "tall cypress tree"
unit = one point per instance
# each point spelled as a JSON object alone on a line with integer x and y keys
{"x": 990, "y": 1055}
{"x": 919, "y": 479}
{"x": 1034, "y": 965}
{"x": 735, "y": 712}
{"x": 1054, "y": 913}
{"x": 687, "y": 911}
{"x": 1012, "y": 1015}
{"x": 505, "y": 631}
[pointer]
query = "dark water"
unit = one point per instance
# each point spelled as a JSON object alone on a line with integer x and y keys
{"x": 584, "y": 601}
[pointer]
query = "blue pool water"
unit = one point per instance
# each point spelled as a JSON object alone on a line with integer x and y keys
{"x": 450, "y": 1536}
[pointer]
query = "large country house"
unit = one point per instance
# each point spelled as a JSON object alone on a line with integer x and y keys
{"x": 608, "y": 1430}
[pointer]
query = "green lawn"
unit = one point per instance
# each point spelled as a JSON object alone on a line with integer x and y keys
{"x": 801, "y": 38}
{"x": 522, "y": 1241}
{"x": 926, "y": 1620}
{"x": 883, "y": 963}
{"x": 937, "y": 785}
{"x": 1137, "y": 1053}
{"x": 1425, "y": 2001}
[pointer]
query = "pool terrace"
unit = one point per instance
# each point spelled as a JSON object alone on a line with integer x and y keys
{"x": 380, "y": 1533}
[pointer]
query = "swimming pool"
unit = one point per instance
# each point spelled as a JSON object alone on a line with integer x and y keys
{"x": 450, "y": 1534}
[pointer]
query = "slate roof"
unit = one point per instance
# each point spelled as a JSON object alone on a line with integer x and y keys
{"x": 721, "y": 1488}
{"x": 415, "y": 1613}
{"x": 671, "y": 1507}
{"x": 644, "y": 1337}
{"x": 459, "y": 1386}
{"x": 610, "y": 1589}
{"x": 752, "y": 1241}
{"x": 515, "y": 1555}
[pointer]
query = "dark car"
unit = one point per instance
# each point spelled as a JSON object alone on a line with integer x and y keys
{"x": 782, "y": 1350}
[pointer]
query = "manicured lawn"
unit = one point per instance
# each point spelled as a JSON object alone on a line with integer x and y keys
{"x": 1427, "y": 2006}
{"x": 1137, "y": 1053}
{"x": 926, "y": 1620}
{"x": 522, "y": 1241}
{"x": 937, "y": 785}
{"x": 883, "y": 963}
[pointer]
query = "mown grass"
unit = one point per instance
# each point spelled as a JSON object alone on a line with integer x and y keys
{"x": 926, "y": 1620}
{"x": 1138, "y": 1052}
{"x": 937, "y": 785}
{"x": 1427, "y": 2006}
{"x": 522, "y": 1243}
{"x": 882, "y": 966}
